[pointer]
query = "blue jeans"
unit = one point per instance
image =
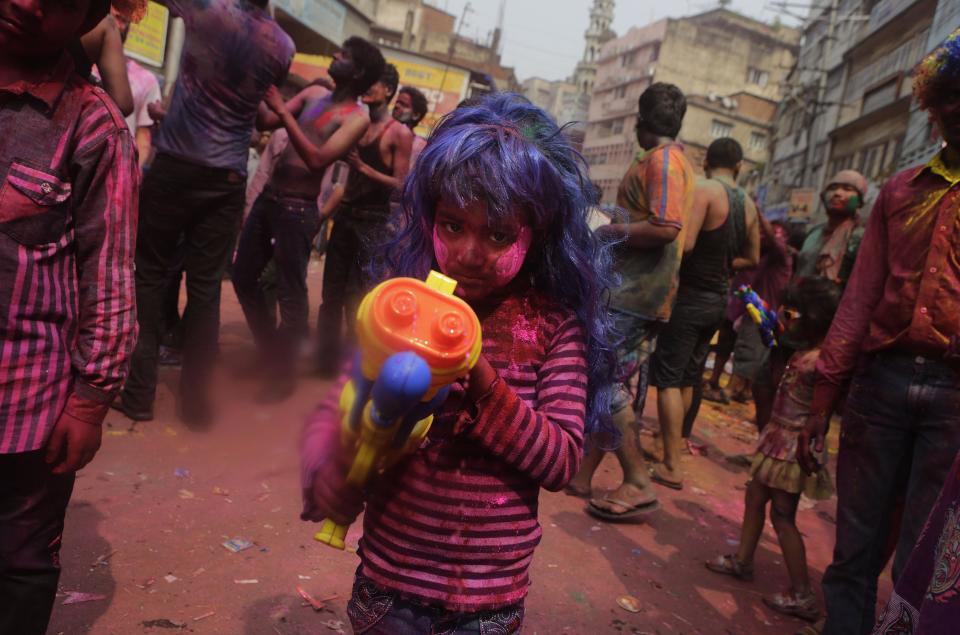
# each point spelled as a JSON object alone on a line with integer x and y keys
{"x": 374, "y": 611}
{"x": 901, "y": 431}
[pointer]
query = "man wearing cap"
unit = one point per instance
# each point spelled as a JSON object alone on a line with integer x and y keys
{"x": 896, "y": 339}
{"x": 830, "y": 248}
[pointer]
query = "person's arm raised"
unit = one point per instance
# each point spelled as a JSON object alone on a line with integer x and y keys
{"x": 268, "y": 119}
{"x": 104, "y": 47}
{"x": 339, "y": 143}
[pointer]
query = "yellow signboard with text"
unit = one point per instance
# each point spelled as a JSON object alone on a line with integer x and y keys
{"x": 147, "y": 40}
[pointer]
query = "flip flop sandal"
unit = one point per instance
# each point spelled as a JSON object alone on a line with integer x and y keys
{"x": 659, "y": 480}
{"x": 633, "y": 511}
{"x": 805, "y": 607}
{"x": 729, "y": 565}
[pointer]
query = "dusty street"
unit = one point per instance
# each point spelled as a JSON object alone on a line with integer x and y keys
{"x": 149, "y": 516}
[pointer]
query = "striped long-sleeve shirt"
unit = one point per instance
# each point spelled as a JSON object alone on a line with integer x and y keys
{"x": 68, "y": 207}
{"x": 456, "y": 524}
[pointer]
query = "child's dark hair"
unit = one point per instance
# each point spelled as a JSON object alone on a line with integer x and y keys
{"x": 817, "y": 300}
{"x": 724, "y": 153}
{"x": 661, "y": 108}
{"x": 367, "y": 57}
{"x": 506, "y": 152}
{"x": 390, "y": 79}
{"x": 418, "y": 101}
{"x": 796, "y": 234}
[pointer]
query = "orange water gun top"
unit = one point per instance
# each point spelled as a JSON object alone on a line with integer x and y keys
{"x": 407, "y": 314}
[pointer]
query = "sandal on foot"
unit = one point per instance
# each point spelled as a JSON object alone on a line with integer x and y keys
{"x": 799, "y": 605}
{"x": 659, "y": 479}
{"x": 632, "y": 512}
{"x": 729, "y": 565}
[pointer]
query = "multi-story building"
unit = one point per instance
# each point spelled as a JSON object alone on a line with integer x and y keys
{"x": 730, "y": 66}
{"x": 875, "y": 104}
{"x": 848, "y": 99}
{"x": 419, "y": 27}
{"x": 921, "y": 142}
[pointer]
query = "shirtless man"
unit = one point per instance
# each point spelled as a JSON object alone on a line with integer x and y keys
{"x": 283, "y": 221}
{"x": 378, "y": 166}
{"x": 722, "y": 236}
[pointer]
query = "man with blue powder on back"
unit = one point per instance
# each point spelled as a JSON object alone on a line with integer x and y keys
{"x": 234, "y": 51}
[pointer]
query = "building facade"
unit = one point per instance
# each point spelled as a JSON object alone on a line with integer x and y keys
{"x": 731, "y": 67}
{"x": 418, "y": 27}
{"x": 875, "y": 105}
{"x": 848, "y": 102}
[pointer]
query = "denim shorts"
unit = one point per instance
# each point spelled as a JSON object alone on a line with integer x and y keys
{"x": 376, "y": 611}
{"x": 638, "y": 341}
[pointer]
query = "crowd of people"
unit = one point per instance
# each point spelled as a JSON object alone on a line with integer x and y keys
{"x": 102, "y": 219}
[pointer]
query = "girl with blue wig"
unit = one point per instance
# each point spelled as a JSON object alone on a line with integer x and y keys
{"x": 499, "y": 202}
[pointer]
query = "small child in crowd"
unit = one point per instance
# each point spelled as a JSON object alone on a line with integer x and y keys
{"x": 807, "y": 312}
{"x": 498, "y": 201}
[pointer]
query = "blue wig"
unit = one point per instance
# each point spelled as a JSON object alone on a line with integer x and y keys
{"x": 511, "y": 155}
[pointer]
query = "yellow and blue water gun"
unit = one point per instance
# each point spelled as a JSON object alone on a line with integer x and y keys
{"x": 762, "y": 315}
{"x": 415, "y": 339}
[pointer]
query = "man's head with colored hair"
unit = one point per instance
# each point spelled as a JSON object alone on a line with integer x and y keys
{"x": 411, "y": 106}
{"x": 384, "y": 88}
{"x": 660, "y": 112}
{"x": 936, "y": 85}
{"x": 358, "y": 63}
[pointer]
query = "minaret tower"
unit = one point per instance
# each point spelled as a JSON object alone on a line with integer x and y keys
{"x": 596, "y": 35}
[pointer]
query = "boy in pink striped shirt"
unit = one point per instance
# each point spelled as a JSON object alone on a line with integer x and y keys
{"x": 498, "y": 201}
{"x": 68, "y": 206}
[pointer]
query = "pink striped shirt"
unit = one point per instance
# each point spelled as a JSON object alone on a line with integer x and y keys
{"x": 68, "y": 207}
{"x": 456, "y": 524}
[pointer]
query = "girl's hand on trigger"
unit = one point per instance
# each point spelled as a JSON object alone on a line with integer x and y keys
{"x": 330, "y": 496}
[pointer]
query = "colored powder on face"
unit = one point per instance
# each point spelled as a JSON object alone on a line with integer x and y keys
{"x": 509, "y": 263}
{"x": 440, "y": 252}
{"x": 853, "y": 204}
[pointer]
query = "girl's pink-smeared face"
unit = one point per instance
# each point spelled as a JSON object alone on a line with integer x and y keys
{"x": 482, "y": 257}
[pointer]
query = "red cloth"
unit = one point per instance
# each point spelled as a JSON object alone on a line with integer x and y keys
{"x": 68, "y": 225}
{"x": 904, "y": 293}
